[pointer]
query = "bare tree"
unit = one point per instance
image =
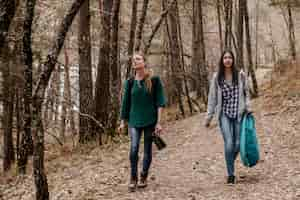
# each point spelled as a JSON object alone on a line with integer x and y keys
{"x": 156, "y": 27}
{"x": 240, "y": 34}
{"x": 131, "y": 37}
{"x": 85, "y": 75}
{"x": 39, "y": 92}
{"x": 115, "y": 67}
{"x": 175, "y": 61}
{"x": 187, "y": 92}
{"x": 228, "y": 5}
{"x": 249, "y": 50}
{"x": 198, "y": 57}
{"x": 7, "y": 12}
{"x": 141, "y": 25}
{"x": 8, "y": 105}
{"x": 102, "y": 95}
{"x": 292, "y": 38}
{"x": 219, "y": 9}
{"x": 26, "y": 146}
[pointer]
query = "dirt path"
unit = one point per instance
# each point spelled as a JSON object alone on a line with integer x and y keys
{"x": 191, "y": 168}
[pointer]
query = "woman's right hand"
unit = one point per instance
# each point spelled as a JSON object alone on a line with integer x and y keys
{"x": 121, "y": 127}
{"x": 207, "y": 122}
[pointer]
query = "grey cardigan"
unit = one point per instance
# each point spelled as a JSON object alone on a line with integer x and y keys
{"x": 215, "y": 98}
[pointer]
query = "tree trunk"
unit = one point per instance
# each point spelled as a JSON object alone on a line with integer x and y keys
{"x": 141, "y": 25}
{"x": 8, "y": 106}
{"x": 240, "y": 38}
{"x": 57, "y": 93}
{"x": 273, "y": 45}
{"x": 156, "y": 28}
{"x": 85, "y": 75}
{"x": 102, "y": 97}
{"x": 175, "y": 53}
{"x": 26, "y": 147}
{"x": 292, "y": 39}
{"x": 256, "y": 33}
{"x": 18, "y": 110}
{"x": 114, "y": 67}
{"x": 203, "y": 69}
{"x": 39, "y": 92}
{"x": 187, "y": 92}
{"x": 7, "y": 10}
{"x": 131, "y": 37}
{"x": 249, "y": 50}
{"x": 228, "y": 23}
{"x": 63, "y": 118}
{"x": 219, "y": 8}
{"x": 198, "y": 58}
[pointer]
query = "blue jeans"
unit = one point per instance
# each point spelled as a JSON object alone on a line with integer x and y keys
{"x": 230, "y": 129}
{"x": 135, "y": 137}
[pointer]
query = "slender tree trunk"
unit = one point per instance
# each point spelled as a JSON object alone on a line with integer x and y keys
{"x": 203, "y": 70}
{"x": 64, "y": 100}
{"x": 156, "y": 27}
{"x": 198, "y": 58}
{"x": 256, "y": 33}
{"x": 114, "y": 67}
{"x": 240, "y": 38}
{"x": 57, "y": 93}
{"x": 219, "y": 8}
{"x": 249, "y": 50}
{"x": 7, "y": 10}
{"x": 273, "y": 44}
{"x": 26, "y": 147}
{"x": 102, "y": 97}
{"x": 8, "y": 107}
{"x": 70, "y": 110}
{"x": 187, "y": 93}
{"x": 131, "y": 37}
{"x": 18, "y": 122}
{"x": 141, "y": 25}
{"x": 169, "y": 85}
{"x": 228, "y": 23}
{"x": 85, "y": 75}
{"x": 292, "y": 39}
{"x": 175, "y": 54}
{"x": 39, "y": 92}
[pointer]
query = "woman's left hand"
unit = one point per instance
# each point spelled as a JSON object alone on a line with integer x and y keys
{"x": 158, "y": 128}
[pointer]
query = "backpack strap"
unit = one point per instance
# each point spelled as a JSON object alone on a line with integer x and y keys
{"x": 130, "y": 85}
{"x": 154, "y": 88}
{"x": 153, "y": 92}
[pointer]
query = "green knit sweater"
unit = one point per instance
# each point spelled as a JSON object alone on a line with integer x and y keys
{"x": 140, "y": 109}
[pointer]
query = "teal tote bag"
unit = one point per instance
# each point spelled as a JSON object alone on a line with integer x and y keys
{"x": 249, "y": 149}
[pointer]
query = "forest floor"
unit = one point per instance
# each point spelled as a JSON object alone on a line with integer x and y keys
{"x": 192, "y": 167}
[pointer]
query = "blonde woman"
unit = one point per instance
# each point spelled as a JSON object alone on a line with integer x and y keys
{"x": 142, "y": 103}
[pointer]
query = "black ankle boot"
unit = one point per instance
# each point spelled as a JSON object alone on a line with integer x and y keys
{"x": 143, "y": 180}
{"x": 231, "y": 180}
{"x": 132, "y": 184}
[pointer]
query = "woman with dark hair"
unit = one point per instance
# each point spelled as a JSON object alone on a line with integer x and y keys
{"x": 142, "y": 104}
{"x": 229, "y": 99}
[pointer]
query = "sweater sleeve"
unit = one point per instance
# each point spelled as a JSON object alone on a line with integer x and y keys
{"x": 212, "y": 99}
{"x": 125, "y": 107}
{"x": 160, "y": 100}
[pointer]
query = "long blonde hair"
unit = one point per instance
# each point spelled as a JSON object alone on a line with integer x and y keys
{"x": 148, "y": 73}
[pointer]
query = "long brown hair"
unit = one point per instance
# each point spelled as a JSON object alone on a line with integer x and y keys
{"x": 148, "y": 73}
{"x": 221, "y": 73}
